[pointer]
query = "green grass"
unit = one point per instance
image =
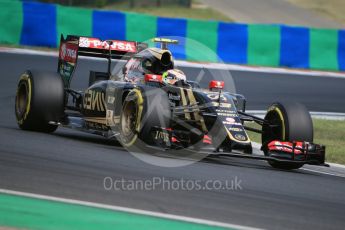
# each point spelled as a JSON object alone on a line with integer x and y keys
{"x": 331, "y": 134}
{"x": 197, "y": 11}
{"x": 328, "y": 133}
{"x": 256, "y": 137}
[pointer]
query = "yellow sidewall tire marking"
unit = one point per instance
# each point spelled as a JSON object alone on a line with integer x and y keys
{"x": 280, "y": 113}
{"x": 27, "y": 79}
{"x": 140, "y": 102}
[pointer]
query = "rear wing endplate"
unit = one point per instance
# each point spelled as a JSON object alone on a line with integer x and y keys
{"x": 74, "y": 46}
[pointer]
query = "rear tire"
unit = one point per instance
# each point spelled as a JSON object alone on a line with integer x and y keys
{"x": 293, "y": 123}
{"x": 39, "y": 100}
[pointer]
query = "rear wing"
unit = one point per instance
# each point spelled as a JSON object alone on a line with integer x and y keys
{"x": 74, "y": 46}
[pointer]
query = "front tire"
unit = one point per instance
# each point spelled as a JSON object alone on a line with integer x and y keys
{"x": 39, "y": 100}
{"x": 143, "y": 109}
{"x": 288, "y": 122}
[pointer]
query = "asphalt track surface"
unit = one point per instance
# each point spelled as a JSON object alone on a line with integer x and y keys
{"x": 73, "y": 165}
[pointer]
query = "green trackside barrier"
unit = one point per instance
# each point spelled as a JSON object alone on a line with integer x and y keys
{"x": 24, "y": 23}
{"x": 11, "y": 19}
{"x": 324, "y": 49}
{"x": 205, "y": 33}
{"x": 140, "y": 27}
{"x": 263, "y": 45}
{"x": 73, "y": 21}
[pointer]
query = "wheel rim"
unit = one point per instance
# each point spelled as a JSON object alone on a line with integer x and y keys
{"x": 275, "y": 130}
{"x": 21, "y": 100}
{"x": 129, "y": 120}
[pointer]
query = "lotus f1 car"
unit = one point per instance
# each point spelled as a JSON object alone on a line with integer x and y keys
{"x": 148, "y": 105}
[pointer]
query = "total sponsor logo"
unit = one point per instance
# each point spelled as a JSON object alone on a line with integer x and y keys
{"x": 68, "y": 52}
{"x": 115, "y": 45}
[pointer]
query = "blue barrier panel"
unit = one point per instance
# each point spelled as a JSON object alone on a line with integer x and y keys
{"x": 294, "y": 47}
{"x": 341, "y": 50}
{"x": 39, "y": 25}
{"x": 109, "y": 25}
{"x": 174, "y": 28}
{"x": 233, "y": 42}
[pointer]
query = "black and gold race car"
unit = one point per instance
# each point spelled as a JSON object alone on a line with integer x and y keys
{"x": 152, "y": 105}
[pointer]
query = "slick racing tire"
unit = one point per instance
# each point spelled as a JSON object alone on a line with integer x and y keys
{"x": 143, "y": 109}
{"x": 289, "y": 122}
{"x": 39, "y": 100}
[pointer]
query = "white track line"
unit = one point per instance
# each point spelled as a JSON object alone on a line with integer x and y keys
{"x": 128, "y": 210}
{"x": 322, "y": 172}
{"x": 337, "y": 165}
{"x": 200, "y": 65}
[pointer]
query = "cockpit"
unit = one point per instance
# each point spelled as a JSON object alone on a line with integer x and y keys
{"x": 149, "y": 61}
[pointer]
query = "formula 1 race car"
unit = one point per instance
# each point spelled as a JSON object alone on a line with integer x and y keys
{"x": 150, "y": 104}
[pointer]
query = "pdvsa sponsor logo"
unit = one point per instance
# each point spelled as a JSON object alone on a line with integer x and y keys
{"x": 115, "y": 45}
{"x": 68, "y": 52}
{"x": 122, "y": 46}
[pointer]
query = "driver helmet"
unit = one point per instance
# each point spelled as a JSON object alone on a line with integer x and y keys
{"x": 173, "y": 75}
